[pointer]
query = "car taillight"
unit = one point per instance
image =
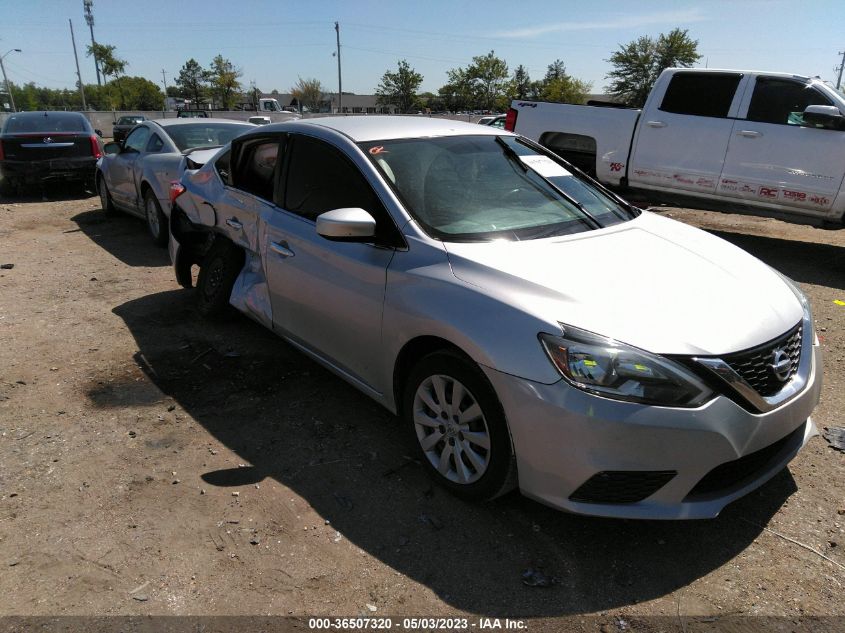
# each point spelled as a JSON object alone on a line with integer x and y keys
{"x": 96, "y": 152}
{"x": 176, "y": 190}
{"x": 2, "y": 155}
{"x": 510, "y": 120}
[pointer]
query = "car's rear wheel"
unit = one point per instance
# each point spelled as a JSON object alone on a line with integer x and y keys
{"x": 218, "y": 271}
{"x": 458, "y": 427}
{"x": 105, "y": 197}
{"x": 156, "y": 220}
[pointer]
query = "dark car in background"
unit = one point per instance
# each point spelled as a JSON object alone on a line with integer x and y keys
{"x": 125, "y": 124}
{"x": 36, "y": 147}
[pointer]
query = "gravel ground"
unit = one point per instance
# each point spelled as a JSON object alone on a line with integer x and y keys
{"x": 155, "y": 463}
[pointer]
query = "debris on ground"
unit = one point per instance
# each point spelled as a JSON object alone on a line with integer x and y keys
{"x": 536, "y": 578}
{"x": 835, "y": 436}
{"x": 431, "y": 520}
{"x": 344, "y": 502}
{"x": 7, "y": 266}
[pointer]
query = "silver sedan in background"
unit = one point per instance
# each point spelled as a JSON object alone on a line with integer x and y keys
{"x": 529, "y": 327}
{"x": 135, "y": 175}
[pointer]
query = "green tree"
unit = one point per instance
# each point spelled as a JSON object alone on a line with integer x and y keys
{"x": 459, "y": 93}
{"x": 520, "y": 84}
{"x": 490, "y": 74}
{"x": 309, "y": 93}
{"x": 637, "y": 64}
{"x": 558, "y": 86}
{"x": 110, "y": 65}
{"x": 223, "y": 77}
{"x": 555, "y": 70}
{"x": 193, "y": 80}
{"x": 566, "y": 90}
{"x": 141, "y": 94}
{"x": 399, "y": 88}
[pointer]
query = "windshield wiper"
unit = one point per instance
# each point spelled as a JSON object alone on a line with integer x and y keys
{"x": 514, "y": 158}
{"x": 511, "y": 154}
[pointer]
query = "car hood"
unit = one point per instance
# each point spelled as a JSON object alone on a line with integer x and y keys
{"x": 654, "y": 283}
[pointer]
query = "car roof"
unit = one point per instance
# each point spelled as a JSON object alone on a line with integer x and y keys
{"x": 193, "y": 121}
{"x": 376, "y": 127}
{"x": 47, "y": 113}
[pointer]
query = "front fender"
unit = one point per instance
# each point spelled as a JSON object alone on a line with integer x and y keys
{"x": 424, "y": 298}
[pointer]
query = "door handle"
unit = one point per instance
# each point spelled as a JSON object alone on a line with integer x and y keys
{"x": 749, "y": 133}
{"x": 655, "y": 124}
{"x": 282, "y": 249}
{"x": 233, "y": 222}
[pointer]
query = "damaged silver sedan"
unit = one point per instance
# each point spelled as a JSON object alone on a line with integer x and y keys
{"x": 529, "y": 327}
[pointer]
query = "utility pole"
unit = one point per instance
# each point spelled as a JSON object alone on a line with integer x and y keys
{"x": 339, "y": 82}
{"x": 841, "y": 65}
{"x": 89, "y": 18}
{"x": 164, "y": 81}
{"x": 78, "y": 74}
{"x": 6, "y": 80}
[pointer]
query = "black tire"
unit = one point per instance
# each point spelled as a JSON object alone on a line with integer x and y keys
{"x": 218, "y": 271}
{"x": 499, "y": 473}
{"x": 106, "y": 201}
{"x": 8, "y": 188}
{"x": 156, "y": 220}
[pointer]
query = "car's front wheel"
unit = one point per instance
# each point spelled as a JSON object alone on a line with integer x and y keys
{"x": 458, "y": 426}
{"x": 156, "y": 220}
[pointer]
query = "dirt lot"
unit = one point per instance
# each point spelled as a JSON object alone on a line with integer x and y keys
{"x": 155, "y": 463}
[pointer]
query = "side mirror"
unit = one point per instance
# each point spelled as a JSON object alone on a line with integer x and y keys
{"x": 346, "y": 225}
{"x": 112, "y": 148}
{"x": 99, "y": 133}
{"x": 826, "y": 116}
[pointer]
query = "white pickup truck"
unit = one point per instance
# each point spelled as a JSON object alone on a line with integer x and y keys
{"x": 766, "y": 143}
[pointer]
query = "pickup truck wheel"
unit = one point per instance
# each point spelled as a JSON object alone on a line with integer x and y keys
{"x": 105, "y": 197}
{"x": 218, "y": 271}
{"x": 458, "y": 427}
{"x": 156, "y": 220}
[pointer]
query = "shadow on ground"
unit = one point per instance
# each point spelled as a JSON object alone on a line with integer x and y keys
{"x": 51, "y": 190}
{"x": 124, "y": 236}
{"x": 806, "y": 262}
{"x": 292, "y": 421}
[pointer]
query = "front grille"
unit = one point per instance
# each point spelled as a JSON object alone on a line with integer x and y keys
{"x": 756, "y": 365}
{"x": 622, "y": 486}
{"x": 739, "y": 471}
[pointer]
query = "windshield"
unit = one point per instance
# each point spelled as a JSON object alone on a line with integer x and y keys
{"x": 479, "y": 188}
{"x": 129, "y": 120}
{"x": 208, "y": 134}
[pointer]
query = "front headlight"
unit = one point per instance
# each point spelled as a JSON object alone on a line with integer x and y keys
{"x": 805, "y": 304}
{"x": 605, "y": 367}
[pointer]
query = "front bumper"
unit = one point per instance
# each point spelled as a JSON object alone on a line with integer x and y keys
{"x": 32, "y": 172}
{"x": 564, "y": 437}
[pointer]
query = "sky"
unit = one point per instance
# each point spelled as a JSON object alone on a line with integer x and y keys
{"x": 276, "y": 42}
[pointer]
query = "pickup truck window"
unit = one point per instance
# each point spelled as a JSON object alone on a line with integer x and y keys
{"x": 701, "y": 94}
{"x": 782, "y": 101}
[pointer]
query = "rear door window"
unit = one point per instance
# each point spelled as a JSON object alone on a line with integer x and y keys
{"x": 155, "y": 144}
{"x": 137, "y": 139}
{"x": 701, "y": 94}
{"x": 256, "y": 168}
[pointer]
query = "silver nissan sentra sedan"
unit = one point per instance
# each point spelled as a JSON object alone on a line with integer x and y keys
{"x": 529, "y": 327}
